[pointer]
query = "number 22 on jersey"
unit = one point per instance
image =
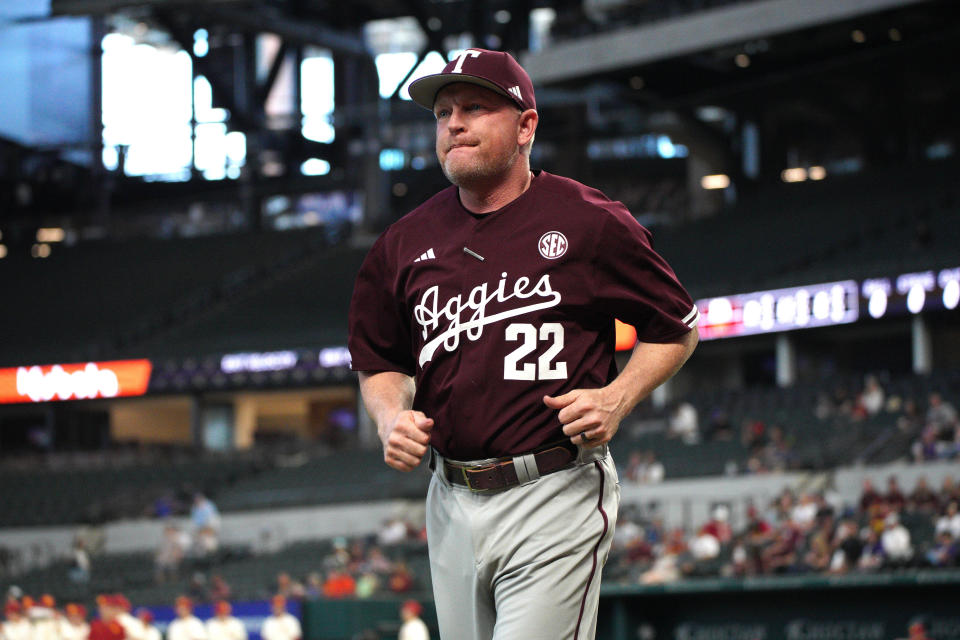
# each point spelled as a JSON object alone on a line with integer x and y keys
{"x": 530, "y": 337}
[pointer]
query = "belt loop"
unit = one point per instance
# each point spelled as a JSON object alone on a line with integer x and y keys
{"x": 526, "y": 468}
{"x": 436, "y": 464}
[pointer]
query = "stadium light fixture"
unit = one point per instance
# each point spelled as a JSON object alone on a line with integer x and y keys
{"x": 817, "y": 173}
{"x": 715, "y": 181}
{"x": 50, "y": 234}
{"x": 793, "y": 174}
{"x": 41, "y": 250}
{"x": 3, "y": 251}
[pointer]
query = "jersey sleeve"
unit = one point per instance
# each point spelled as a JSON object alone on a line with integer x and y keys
{"x": 379, "y": 337}
{"x": 636, "y": 285}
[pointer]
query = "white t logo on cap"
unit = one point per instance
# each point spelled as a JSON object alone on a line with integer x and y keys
{"x": 458, "y": 68}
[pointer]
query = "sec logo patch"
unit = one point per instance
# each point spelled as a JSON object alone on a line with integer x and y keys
{"x": 553, "y": 244}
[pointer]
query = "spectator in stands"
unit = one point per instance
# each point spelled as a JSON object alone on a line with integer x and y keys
{"x": 290, "y": 588}
{"x": 197, "y": 589}
{"x": 79, "y": 570}
{"x": 170, "y": 553}
{"x": 394, "y": 532}
{"x": 871, "y": 399}
{"x": 804, "y": 513}
{"x": 823, "y": 409}
{"x": 401, "y": 579}
{"x": 941, "y": 415}
{"x": 871, "y": 557}
{"x": 719, "y": 427}
{"x": 219, "y": 588}
{"x": 753, "y": 435}
{"x": 949, "y": 521}
{"x": 367, "y": 584}
{"x": 870, "y": 498}
{"x": 150, "y": 631}
{"x": 910, "y": 420}
{"x": 223, "y": 625}
{"x": 895, "y": 499}
{"x": 848, "y": 548}
{"x": 949, "y": 491}
{"x": 944, "y": 552}
{"x": 204, "y": 513}
{"x": 927, "y": 447}
{"x": 666, "y": 567}
{"x": 205, "y": 543}
{"x": 718, "y": 525}
{"x": 186, "y": 626}
{"x": 635, "y": 467}
{"x": 339, "y": 557}
{"x": 376, "y": 561}
{"x": 781, "y": 555}
{"x": 923, "y": 499}
{"x": 683, "y": 423}
{"x": 820, "y": 547}
{"x": 778, "y": 452}
{"x": 895, "y": 542}
{"x": 757, "y": 536}
{"x": 339, "y": 584}
{"x": 280, "y": 625}
{"x": 413, "y": 628}
{"x": 314, "y": 585}
{"x": 654, "y": 470}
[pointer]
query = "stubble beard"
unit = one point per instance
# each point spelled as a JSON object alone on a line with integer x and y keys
{"x": 477, "y": 171}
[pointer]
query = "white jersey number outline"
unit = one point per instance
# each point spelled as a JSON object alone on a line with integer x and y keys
{"x": 546, "y": 368}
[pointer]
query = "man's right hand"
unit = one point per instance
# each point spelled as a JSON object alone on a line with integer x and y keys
{"x": 407, "y": 440}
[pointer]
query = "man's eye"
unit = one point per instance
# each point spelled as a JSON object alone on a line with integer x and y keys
{"x": 442, "y": 113}
{"x": 475, "y": 107}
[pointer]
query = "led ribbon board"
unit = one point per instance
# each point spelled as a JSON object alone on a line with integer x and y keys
{"x": 82, "y": 381}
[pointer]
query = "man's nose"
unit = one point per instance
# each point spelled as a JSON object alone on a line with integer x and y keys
{"x": 455, "y": 122}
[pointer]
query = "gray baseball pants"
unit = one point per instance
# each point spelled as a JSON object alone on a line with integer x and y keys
{"x": 523, "y": 563}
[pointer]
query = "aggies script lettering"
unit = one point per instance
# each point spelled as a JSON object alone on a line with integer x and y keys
{"x": 430, "y": 313}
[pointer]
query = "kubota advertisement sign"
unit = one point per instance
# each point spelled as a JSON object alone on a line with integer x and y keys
{"x": 82, "y": 381}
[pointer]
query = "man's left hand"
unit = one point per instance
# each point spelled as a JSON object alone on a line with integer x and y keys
{"x": 590, "y": 417}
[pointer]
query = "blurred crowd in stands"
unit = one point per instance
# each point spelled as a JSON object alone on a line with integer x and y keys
{"x": 199, "y": 543}
{"x": 924, "y": 430}
{"x": 809, "y": 533}
{"x": 360, "y": 567}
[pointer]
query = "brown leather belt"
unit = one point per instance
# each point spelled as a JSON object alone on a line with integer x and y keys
{"x": 502, "y": 473}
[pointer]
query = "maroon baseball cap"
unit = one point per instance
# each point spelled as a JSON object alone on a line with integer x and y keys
{"x": 495, "y": 70}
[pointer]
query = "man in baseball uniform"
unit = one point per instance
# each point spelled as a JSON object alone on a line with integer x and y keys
{"x": 106, "y": 626}
{"x": 150, "y": 630}
{"x": 15, "y": 626}
{"x": 280, "y": 625}
{"x": 186, "y": 626}
{"x": 223, "y": 626}
{"x": 482, "y": 326}
{"x": 132, "y": 625}
{"x": 73, "y": 626}
{"x": 413, "y": 628}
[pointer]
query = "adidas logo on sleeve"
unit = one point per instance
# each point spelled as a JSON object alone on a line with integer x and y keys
{"x": 426, "y": 255}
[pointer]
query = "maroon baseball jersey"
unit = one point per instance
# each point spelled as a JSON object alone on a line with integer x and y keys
{"x": 491, "y": 312}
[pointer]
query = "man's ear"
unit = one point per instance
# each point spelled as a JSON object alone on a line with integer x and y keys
{"x": 528, "y": 126}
